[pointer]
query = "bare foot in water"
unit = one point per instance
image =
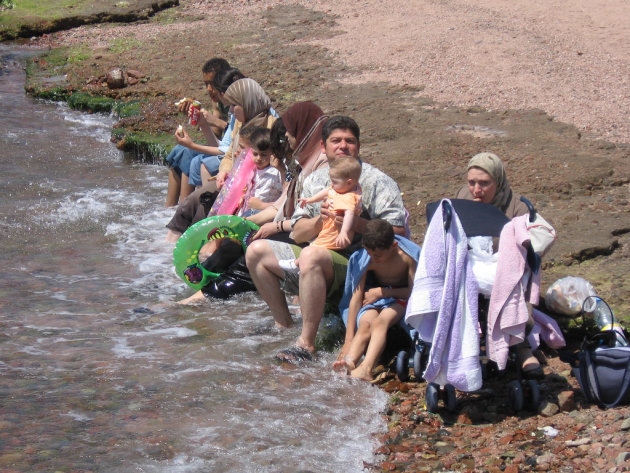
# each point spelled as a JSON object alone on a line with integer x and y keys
{"x": 362, "y": 373}
{"x": 196, "y": 299}
{"x": 345, "y": 364}
{"x": 172, "y": 236}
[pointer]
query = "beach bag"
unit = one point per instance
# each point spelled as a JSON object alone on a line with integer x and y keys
{"x": 603, "y": 370}
{"x": 541, "y": 235}
{"x": 567, "y": 295}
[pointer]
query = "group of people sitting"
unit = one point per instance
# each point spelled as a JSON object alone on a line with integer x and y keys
{"x": 333, "y": 229}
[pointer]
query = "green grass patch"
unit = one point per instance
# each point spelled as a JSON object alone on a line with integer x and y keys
{"x": 54, "y": 60}
{"x": 122, "y": 45}
{"x": 128, "y": 109}
{"x": 49, "y": 9}
{"x": 167, "y": 16}
{"x": 56, "y": 94}
{"x": 144, "y": 146}
{"x": 78, "y": 54}
{"x": 90, "y": 103}
{"x": 24, "y": 18}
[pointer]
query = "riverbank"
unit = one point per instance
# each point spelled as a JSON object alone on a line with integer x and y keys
{"x": 418, "y": 110}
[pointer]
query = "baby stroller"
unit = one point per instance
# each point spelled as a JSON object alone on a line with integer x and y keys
{"x": 476, "y": 219}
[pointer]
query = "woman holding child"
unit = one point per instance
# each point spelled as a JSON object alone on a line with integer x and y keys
{"x": 303, "y": 122}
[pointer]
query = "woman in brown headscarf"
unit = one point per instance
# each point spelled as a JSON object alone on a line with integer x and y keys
{"x": 303, "y": 122}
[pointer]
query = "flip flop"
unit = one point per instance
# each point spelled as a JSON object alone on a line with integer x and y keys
{"x": 295, "y": 355}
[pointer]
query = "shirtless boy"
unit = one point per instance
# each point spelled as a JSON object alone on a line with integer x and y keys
{"x": 379, "y": 299}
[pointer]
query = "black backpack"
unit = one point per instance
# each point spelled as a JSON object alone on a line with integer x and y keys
{"x": 603, "y": 370}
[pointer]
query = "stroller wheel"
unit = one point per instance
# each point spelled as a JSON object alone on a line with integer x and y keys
{"x": 450, "y": 399}
{"x": 417, "y": 365}
{"x": 432, "y": 397}
{"x": 402, "y": 366}
{"x": 515, "y": 395}
{"x": 534, "y": 394}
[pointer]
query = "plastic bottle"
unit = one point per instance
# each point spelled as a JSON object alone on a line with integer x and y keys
{"x": 604, "y": 317}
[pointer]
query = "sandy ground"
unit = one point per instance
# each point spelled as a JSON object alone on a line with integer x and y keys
{"x": 568, "y": 58}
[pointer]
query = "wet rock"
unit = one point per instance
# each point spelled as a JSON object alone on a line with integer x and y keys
{"x": 544, "y": 462}
{"x": 578, "y": 442}
{"x": 161, "y": 452}
{"x": 388, "y": 466}
{"x": 582, "y": 417}
{"x": 135, "y": 74}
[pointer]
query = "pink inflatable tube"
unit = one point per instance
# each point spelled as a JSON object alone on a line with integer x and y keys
{"x": 235, "y": 186}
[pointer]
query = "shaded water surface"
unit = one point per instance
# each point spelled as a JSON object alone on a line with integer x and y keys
{"x": 99, "y": 370}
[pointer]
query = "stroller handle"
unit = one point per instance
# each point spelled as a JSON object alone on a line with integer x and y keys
{"x": 448, "y": 214}
{"x": 530, "y": 207}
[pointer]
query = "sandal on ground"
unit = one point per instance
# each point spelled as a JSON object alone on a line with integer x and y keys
{"x": 295, "y": 355}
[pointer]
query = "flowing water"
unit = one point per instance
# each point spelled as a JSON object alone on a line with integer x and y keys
{"x": 99, "y": 370}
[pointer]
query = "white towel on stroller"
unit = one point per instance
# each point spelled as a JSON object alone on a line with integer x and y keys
{"x": 443, "y": 306}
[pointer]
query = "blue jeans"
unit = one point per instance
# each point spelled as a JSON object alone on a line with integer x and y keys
{"x": 210, "y": 162}
{"x": 180, "y": 158}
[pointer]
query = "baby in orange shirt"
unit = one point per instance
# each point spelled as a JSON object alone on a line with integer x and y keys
{"x": 343, "y": 198}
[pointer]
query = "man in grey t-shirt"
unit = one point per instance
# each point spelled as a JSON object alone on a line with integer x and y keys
{"x": 322, "y": 271}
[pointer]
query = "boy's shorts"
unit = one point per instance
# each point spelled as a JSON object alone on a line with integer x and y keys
{"x": 291, "y": 282}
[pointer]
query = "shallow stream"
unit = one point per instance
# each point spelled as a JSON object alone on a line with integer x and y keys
{"x": 99, "y": 370}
